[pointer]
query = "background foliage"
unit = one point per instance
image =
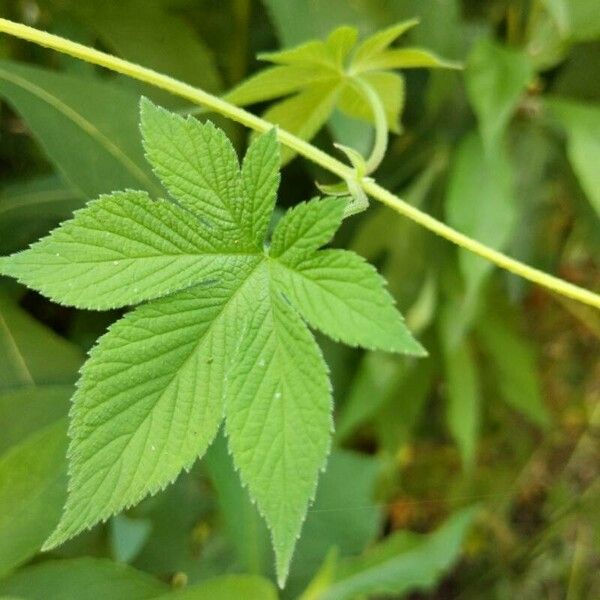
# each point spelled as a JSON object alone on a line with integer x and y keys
{"x": 469, "y": 474}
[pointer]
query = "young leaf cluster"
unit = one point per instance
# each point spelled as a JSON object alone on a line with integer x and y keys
{"x": 310, "y": 80}
{"x": 221, "y": 334}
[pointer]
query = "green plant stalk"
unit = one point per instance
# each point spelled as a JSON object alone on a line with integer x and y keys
{"x": 198, "y": 96}
{"x": 381, "y": 127}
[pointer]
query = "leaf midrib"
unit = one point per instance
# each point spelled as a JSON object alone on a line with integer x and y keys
{"x": 162, "y": 255}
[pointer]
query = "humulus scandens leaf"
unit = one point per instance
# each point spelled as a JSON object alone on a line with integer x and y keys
{"x": 223, "y": 336}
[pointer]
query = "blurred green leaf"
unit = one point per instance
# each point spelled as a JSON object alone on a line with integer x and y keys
{"x": 128, "y": 536}
{"x": 29, "y": 208}
{"x": 559, "y": 10}
{"x": 462, "y": 389}
{"x": 581, "y": 123}
{"x": 513, "y": 363}
{"x": 344, "y": 515}
{"x": 150, "y": 34}
{"x": 402, "y": 245}
{"x": 228, "y": 587}
{"x": 584, "y": 19}
{"x": 88, "y": 129}
{"x": 245, "y": 528}
{"x": 407, "y": 58}
{"x": 25, "y": 410}
{"x": 402, "y": 563}
{"x": 398, "y": 417}
{"x": 178, "y": 516}
{"x": 376, "y": 377}
{"x": 345, "y": 490}
{"x": 441, "y": 26}
{"x": 33, "y": 485}
{"x": 496, "y": 78}
{"x": 278, "y": 81}
{"x": 547, "y": 43}
{"x": 298, "y": 20}
{"x": 579, "y": 76}
{"x": 479, "y": 203}
{"x": 84, "y": 579}
{"x": 381, "y": 40}
{"x": 32, "y": 353}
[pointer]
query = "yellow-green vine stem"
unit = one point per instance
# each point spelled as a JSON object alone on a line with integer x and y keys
{"x": 381, "y": 126}
{"x": 307, "y": 150}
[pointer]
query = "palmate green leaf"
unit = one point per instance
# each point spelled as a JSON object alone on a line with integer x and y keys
{"x": 222, "y": 336}
{"x": 374, "y": 53}
{"x": 32, "y": 492}
{"x": 408, "y": 58}
{"x": 260, "y": 181}
{"x": 320, "y": 75}
{"x": 330, "y": 53}
{"x": 279, "y": 81}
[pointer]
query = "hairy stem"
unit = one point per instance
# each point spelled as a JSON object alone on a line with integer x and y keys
{"x": 307, "y": 150}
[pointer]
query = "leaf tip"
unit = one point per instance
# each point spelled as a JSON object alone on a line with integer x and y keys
{"x": 419, "y": 350}
{"x": 283, "y": 558}
{"x": 55, "y": 539}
